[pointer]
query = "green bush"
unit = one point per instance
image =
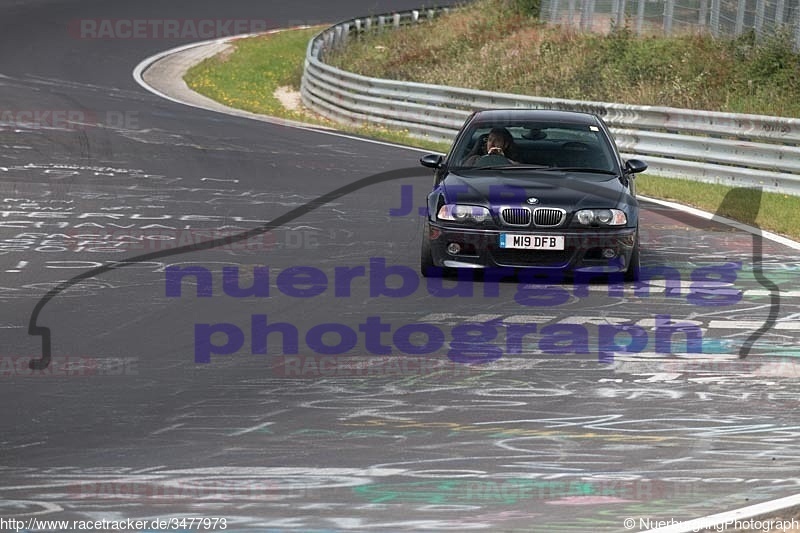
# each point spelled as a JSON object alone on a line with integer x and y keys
{"x": 530, "y": 8}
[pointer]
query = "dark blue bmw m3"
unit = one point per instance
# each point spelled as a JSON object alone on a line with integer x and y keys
{"x": 533, "y": 190}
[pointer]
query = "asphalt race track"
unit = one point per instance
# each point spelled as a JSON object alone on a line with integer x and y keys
{"x": 207, "y": 383}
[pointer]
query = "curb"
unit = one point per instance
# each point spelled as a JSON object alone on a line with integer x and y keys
{"x": 162, "y": 74}
{"x": 727, "y": 221}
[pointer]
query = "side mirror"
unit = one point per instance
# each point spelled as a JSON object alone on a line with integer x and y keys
{"x": 431, "y": 161}
{"x": 634, "y": 166}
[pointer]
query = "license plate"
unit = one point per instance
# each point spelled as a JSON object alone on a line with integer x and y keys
{"x": 532, "y": 242}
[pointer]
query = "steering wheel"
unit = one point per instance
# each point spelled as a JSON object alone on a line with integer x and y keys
{"x": 575, "y": 146}
{"x": 490, "y": 160}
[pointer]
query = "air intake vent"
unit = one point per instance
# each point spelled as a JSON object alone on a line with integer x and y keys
{"x": 516, "y": 216}
{"x": 548, "y": 216}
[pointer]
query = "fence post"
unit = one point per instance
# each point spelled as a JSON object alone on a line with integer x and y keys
{"x": 715, "y": 7}
{"x": 797, "y": 31}
{"x": 553, "y": 12}
{"x": 587, "y": 15}
{"x": 620, "y": 14}
{"x": 640, "y": 17}
{"x": 739, "y": 29}
{"x": 571, "y": 13}
{"x": 759, "y": 22}
{"x": 702, "y": 17}
{"x": 779, "y": 7}
{"x": 669, "y": 9}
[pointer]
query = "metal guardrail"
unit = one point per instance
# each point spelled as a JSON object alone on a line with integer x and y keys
{"x": 732, "y": 149}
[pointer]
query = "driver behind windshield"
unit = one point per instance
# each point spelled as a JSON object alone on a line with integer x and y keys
{"x": 499, "y": 150}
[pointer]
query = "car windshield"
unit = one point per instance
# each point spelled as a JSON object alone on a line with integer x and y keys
{"x": 573, "y": 147}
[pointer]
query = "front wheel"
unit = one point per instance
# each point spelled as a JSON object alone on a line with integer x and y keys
{"x": 634, "y": 264}
{"x": 426, "y": 265}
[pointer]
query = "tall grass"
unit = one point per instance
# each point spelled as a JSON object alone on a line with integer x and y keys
{"x": 247, "y": 77}
{"x": 497, "y": 45}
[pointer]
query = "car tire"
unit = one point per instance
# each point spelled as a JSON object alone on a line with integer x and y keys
{"x": 426, "y": 266}
{"x": 634, "y": 263}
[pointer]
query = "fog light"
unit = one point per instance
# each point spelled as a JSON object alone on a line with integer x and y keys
{"x": 608, "y": 253}
{"x": 453, "y": 248}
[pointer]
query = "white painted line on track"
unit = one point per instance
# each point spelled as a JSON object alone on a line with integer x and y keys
{"x": 141, "y": 68}
{"x": 727, "y": 221}
{"x": 713, "y": 522}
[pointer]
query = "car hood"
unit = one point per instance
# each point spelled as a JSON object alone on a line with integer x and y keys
{"x": 562, "y": 189}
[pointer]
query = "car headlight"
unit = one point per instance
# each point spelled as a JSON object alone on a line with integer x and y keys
{"x": 601, "y": 217}
{"x": 463, "y": 213}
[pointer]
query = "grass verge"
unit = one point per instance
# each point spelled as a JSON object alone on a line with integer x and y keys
{"x": 249, "y": 76}
{"x": 257, "y": 69}
{"x": 778, "y": 213}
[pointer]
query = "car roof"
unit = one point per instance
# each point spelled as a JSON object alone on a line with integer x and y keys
{"x": 549, "y": 115}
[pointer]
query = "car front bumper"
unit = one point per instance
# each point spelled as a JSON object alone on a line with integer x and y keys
{"x": 593, "y": 250}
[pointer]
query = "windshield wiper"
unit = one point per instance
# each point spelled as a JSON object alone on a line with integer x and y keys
{"x": 510, "y": 167}
{"x": 582, "y": 169}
